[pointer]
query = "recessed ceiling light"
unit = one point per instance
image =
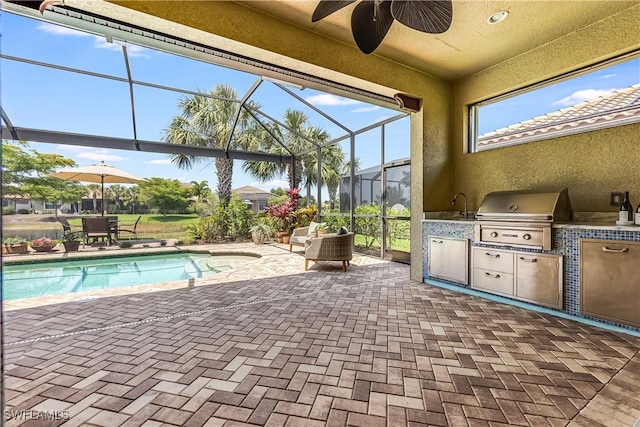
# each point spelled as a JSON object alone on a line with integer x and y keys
{"x": 498, "y": 17}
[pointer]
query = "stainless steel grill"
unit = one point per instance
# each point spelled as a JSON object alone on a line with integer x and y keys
{"x": 521, "y": 218}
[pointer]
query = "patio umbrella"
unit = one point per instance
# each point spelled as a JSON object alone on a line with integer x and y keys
{"x": 99, "y": 173}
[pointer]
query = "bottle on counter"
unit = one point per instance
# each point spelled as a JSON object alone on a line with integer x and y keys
{"x": 638, "y": 215}
{"x": 626, "y": 209}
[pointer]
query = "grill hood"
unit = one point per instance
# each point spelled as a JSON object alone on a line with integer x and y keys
{"x": 525, "y": 206}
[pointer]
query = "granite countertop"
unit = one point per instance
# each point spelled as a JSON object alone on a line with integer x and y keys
{"x": 596, "y": 225}
{"x": 583, "y": 220}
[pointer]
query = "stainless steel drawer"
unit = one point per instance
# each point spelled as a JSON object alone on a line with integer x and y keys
{"x": 493, "y": 260}
{"x": 493, "y": 281}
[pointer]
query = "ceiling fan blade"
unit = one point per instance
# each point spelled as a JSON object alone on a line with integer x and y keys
{"x": 368, "y": 31}
{"x": 327, "y": 7}
{"x": 428, "y": 16}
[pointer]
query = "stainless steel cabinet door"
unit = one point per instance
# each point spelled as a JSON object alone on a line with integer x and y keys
{"x": 610, "y": 280}
{"x": 448, "y": 259}
{"x": 539, "y": 279}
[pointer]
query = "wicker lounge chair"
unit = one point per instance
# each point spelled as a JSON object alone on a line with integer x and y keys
{"x": 302, "y": 234}
{"x": 330, "y": 247}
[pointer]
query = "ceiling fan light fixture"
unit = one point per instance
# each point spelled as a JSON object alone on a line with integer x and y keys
{"x": 498, "y": 17}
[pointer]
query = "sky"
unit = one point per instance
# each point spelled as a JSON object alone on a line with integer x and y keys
{"x": 558, "y": 95}
{"x": 50, "y": 99}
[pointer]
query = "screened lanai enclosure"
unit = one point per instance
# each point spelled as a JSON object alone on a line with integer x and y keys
{"x": 90, "y": 81}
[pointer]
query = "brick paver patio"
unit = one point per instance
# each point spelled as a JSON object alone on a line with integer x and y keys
{"x": 272, "y": 345}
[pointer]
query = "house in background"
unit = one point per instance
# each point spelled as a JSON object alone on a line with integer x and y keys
{"x": 253, "y": 197}
{"x": 25, "y": 204}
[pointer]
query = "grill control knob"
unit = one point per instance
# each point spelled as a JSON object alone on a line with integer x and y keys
{"x": 494, "y": 234}
{"x": 526, "y": 236}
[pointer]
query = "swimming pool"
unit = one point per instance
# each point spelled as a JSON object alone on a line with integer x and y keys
{"x": 63, "y": 277}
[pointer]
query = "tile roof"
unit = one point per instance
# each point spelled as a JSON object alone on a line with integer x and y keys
{"x": 248, "y": 189}
{"x": 619, "y": 106}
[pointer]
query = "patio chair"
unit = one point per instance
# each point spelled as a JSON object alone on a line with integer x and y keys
{"x": 300, "y": 235}
{"x": 129, "y": 228}
{"x": 95, "y": 228}
{"x": 66, "y": 227}
{"x": 330, "y": 247}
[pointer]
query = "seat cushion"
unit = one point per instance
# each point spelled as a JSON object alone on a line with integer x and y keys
{"x": 298, "y": 240}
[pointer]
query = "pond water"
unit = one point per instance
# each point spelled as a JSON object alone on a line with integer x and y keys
{"x": 30, "y": 233}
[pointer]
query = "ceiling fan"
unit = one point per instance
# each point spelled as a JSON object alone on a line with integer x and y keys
{"x": 371, "y": 19}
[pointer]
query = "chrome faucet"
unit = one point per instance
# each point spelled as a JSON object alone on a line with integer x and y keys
{"x": 465, "y": 214}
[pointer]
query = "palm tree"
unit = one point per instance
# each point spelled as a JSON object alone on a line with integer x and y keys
{"x": 293, "y": 137}
{"x": 131, "y": 197}
{"x": 116, "y": 193}
{"x": 332, "y": 159}
{"x": 200, "y": 190}
{"x": 208, "y": 121}
{"x": 94, "y": 191}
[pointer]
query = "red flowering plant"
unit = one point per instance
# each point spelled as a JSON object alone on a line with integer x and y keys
{"x": 43, "y": 241}
{"x": 283, "y": 211}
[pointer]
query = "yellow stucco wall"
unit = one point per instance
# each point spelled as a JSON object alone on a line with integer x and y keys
{"x": 590, "y": 165}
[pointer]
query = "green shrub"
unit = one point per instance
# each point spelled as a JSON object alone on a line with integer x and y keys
{"x": 232, "y": 221}
{"x": 24, "y": 211}
{"x": 304, "y": 216}
{"x": 397, "y": 229}
{"x": 368, "y": 227}
{"x": 335, "y": 222}
{"x": 14, "y": 241}
{"x": 8, "y": 210}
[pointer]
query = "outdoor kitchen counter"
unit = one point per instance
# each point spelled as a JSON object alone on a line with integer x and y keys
{"x": 597, "y": 225}
{"x": 566, "y": 242}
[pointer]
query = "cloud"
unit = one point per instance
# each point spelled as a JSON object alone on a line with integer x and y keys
{"x": 268, "y": 185}
{"x": 132, "y": 50}
{"x": 99, "y": 42}
{"x": 607, "y": 76}
{"x": 328, "y": 99}
{"x": 100, "y": 155}
{"x": 159, "y": 162}
{"x": 58, "y": 30}
{"x": 72, "y": 148}
{"x": 381, "y": 118}
{"x": 365, "y": 109}
{"x": 583, "y": 95}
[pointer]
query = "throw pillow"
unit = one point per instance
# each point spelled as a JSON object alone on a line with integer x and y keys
{"x": 312, "y": 232}
{"x": 342, "y": 230}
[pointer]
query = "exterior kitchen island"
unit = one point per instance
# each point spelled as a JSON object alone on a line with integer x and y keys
{"x": 610, "y": 291}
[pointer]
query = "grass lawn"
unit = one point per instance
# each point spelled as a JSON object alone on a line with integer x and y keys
{"x": 182, "y": 219}
{"x": 153, "y": 225}
{"x": 399, "y": 244}
{"x": 150, "y": 225}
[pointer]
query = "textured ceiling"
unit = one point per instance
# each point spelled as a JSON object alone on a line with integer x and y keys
{"x": 470, "y": 44}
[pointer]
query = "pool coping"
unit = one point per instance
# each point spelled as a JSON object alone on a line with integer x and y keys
{"x": 75, "y": 256}
{"x": 132, "y": 291}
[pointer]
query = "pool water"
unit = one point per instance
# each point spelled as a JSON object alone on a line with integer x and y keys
{"x": 63, "y": 277}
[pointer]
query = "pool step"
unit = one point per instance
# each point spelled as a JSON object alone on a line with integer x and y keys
{"x": 197, "y": 268}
